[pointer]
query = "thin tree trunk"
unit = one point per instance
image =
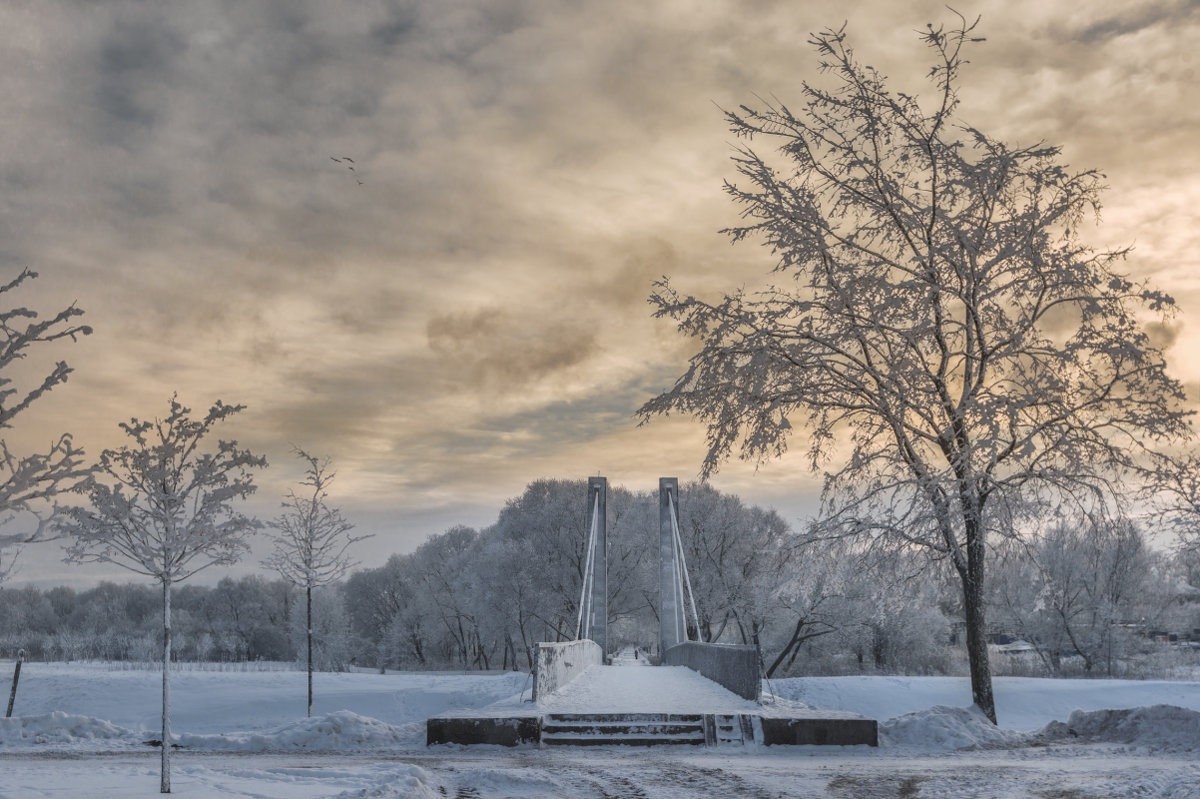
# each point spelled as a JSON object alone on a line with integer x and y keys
{"x": 165, "y": 784}
{"x": 308, "y": 623}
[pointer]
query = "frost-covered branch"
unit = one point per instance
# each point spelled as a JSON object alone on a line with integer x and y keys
{"x": 311, "y": 539}
{"x": 29, "y": 483}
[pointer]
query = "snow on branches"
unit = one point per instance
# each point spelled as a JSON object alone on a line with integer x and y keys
{"x": 311, "y": 540}
{"x": 940, "y": 329}
{"x": 29, "y": 483}
{"x": 310, "y": 537}
{"x": 162, "y": 508}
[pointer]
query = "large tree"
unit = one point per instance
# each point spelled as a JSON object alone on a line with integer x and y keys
{"x": 940, "y": 329}
{"x": 29, "y": 483}
{"x": 163, "y": 508}
{"x": 310, "y": 543}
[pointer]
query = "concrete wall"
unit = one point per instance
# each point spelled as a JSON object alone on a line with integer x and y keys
{"x": 819, "y": 732}
{"x": 732, "y": 666}
{"x": 499, "y": 731}
{"x": 558, "y": 664}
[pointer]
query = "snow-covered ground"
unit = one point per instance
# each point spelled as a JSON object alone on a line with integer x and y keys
{"x": 78, "y": 729}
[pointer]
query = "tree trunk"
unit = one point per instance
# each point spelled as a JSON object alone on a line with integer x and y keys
{"x": 308, "y": 627}
{"x": 976, "y": 619}
{"x": 165, "y": 783}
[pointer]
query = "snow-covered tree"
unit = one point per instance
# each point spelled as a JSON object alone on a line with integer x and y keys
{"x": 163, "y": 508}
{"x": 1068, "y": 591}
{"x": 443, "y": 568}
{"x": 736, "y": 555}
{"x": 940, "y": 329}
{"x": 310, "y": 543}
{"x": 1177, "y": 495}
{"x": 330, "y": 638}
{"x": 806, "y": 601}
{"x": 377, "y": 603}
{"x": 29, "y": 483}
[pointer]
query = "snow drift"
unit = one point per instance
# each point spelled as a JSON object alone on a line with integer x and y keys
{"x": 405, "y": 782}
{"x": 341, "y": 731}
{"x": 943, "y": 727}
{"x": 1166, "y": 728}
{"x": 59, "y": 728}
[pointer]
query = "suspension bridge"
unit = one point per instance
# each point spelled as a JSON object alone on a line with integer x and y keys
{"x": 694, "y": 692}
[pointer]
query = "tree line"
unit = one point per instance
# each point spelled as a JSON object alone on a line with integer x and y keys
{"x": 1083, "y": 597}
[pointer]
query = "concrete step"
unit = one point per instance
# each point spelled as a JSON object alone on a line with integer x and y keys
{"x": 627, "y": 739}
{"x": 628, "y": 729}
{"x": 731, "y": 730}
{"x": 618, "y": 728}
{"x": 634, "y": 718}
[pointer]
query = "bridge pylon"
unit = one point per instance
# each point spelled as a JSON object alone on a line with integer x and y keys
{"x": 672, "y": 625}
{"x": 597, "y": 624}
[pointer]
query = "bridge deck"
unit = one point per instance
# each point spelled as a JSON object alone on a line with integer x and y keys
{"x": 623, "y": 704}
{"x": 661, "y": 689}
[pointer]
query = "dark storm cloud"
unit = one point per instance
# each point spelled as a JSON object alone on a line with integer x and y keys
{"x": 136, "y": 56}
{"x": 493, "y": 348}
{"x": 1137, "y": 18}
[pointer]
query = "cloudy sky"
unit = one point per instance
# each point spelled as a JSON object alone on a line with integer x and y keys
{"x": 466, "y": 310}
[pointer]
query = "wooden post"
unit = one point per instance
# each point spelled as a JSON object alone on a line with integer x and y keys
{"x": 12, "y": 696}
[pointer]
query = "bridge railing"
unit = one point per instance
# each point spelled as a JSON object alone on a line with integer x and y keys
{"x": 557, "y": 664}
{"x": 733, "y": 666}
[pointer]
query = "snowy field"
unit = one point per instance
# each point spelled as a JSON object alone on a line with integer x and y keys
{"x": 78, "y": 730}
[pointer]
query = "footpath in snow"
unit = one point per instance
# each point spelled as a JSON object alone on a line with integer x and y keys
{"x": 663, "y": 689}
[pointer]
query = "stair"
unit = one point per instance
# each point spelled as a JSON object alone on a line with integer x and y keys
{"x": 628, "y": 729}
{"x": 729, "y": 729}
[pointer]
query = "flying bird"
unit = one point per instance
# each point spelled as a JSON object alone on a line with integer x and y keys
{"x": 347, "y": 160}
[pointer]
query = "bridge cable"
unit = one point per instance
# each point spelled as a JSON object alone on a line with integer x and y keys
{"x": 585, "y": 596}
{"x": 683, "y": 563}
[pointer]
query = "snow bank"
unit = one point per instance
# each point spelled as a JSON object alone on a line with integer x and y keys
{"x": 406, "y": 782}
{"x": 341, "y": 731}
{"x": 1022, "y": 703}
{"x": 945, "y": 728}
{"x": 60, "y": 728}
{"x": 1164, "y": 728}
{"x": 1161, "y": 727}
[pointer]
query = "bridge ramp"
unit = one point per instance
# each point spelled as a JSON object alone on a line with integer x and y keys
{"x": 663, "y": 689}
